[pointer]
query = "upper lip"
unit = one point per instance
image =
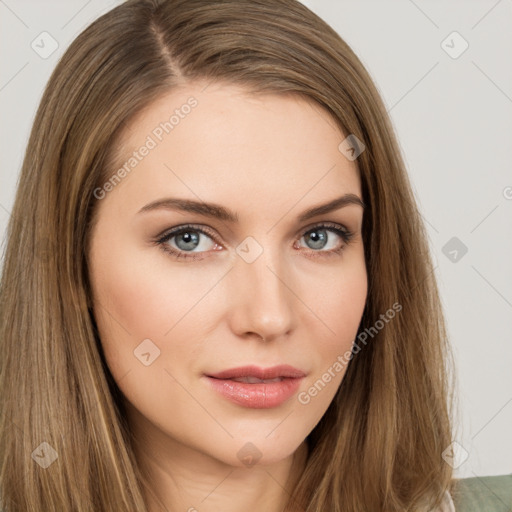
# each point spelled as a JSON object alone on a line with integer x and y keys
{"x": 283, "y": 370}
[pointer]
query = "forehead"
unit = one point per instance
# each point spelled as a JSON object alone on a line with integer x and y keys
{"x": 223, "y": 143}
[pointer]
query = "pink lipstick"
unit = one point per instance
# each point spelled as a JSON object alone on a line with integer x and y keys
{"x": 257, "y": 388}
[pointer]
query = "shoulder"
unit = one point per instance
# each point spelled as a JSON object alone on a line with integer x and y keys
{"x": 483, "y": 493}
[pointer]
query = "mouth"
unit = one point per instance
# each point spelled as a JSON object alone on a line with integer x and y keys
{"x": 257, "y": 388}
{"x": 262, "y": 374}
{"x": 255, "y": 380}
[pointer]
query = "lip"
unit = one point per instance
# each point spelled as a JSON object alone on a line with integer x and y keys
{"x": 282, "y": 370}
{"x": 259, "y": 395}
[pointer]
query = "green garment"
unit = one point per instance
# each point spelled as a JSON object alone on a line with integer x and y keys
{"x": 483, "y": 494}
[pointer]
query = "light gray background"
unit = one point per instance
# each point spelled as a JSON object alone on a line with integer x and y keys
{"x": 453, "y": 117}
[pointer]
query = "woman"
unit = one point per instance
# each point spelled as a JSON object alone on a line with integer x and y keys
{"x": 217, "y": 292}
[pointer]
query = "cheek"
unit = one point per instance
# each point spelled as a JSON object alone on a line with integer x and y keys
{"x": 134, "y": 303}
{"x": 342, "y": 303}
{"x": 142, "y": 294}
{"x": 136, "y": 299}
{"x": 340, "y": 309}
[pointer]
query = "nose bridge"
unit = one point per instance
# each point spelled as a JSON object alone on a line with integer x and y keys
{"x": 264, "y": 302}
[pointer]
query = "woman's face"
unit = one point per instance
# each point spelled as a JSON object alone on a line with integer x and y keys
{"x": 261, "y": 276}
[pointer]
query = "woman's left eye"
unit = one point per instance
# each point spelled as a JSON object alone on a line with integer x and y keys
{"x": 187, "y": 242}
{"x": 321, "y": 237}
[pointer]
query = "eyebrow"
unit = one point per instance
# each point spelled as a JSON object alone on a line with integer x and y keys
{"x": 220, "y": 212}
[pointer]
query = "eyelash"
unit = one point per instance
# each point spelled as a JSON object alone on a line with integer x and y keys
{"x": 342, "y": 232}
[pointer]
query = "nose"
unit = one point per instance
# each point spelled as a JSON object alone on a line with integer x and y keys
{"x": 261, "y": 298}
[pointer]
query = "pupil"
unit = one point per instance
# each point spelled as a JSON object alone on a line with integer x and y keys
{"x": 190, "y": 238}
{"x": 318, "y": 237}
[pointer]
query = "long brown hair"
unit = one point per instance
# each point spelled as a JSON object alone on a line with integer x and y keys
{"x": 379, "y": 445}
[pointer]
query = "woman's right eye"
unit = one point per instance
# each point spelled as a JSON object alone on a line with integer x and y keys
{"x": 187, "y": 242}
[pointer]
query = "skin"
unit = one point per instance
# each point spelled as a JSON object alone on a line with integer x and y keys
{"x": 268, "y": 158}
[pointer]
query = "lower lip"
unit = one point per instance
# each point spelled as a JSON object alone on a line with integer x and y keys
{"x": 256, "y": 396}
